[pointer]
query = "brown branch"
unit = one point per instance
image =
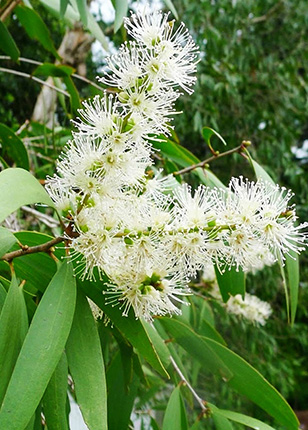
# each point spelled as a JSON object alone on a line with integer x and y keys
{"x": 26, "y": 250}
{"x": 8, "y": 9}
{"x": 203, "y": 163}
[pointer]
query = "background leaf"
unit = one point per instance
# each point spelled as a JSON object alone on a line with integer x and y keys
{"x": 12, "y": 148}
{"x": 17, "y": 188}
{"x": 231, "y": 282}
{"x": 41, "y": 350}
{"x": 175, "y": 415}
{"x": 86, "y": 365}
{"x": 7, "y": 240}
{"x": 8, "y": 44}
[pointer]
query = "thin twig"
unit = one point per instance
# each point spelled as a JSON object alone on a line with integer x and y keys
{"x": 46, "y": 219}
{"x": 22, "y": 127}
{"x": 201, "y": 402}
{"x": 38, "y": 63}
{"x": 34, "y": 78}
{"x": 10, "y": 7}
{"x": 26, "y": 250}
{"x": 203, "y": 163}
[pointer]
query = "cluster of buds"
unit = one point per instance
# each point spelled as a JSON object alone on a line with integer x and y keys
{"x": 150, "y": 235}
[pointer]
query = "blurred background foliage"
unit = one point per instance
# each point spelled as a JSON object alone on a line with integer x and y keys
{"x": 252, "y": 85}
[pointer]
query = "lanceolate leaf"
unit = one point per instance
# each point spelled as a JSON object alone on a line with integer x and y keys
{"x": 36, "y": 28}
{"x": 55, "y": 397}
{"x": 231, "y": 282}
{"x": 41, "y": 350}
{"x": 82, "y": 9}
{"x": 121, "y": 7}
{"x": 13, "y": 327}
{"x": 86, "y": 365}
{"x": 129, "y": 327}
{"x": 8, "y": 44}
{"x": 290, "y": 272}
{"x": 243, "y": 377}
{"x": 175, "y": 415}
{"x": 12, "y": 148}
{"x": 17, "y": 188}
{"x": 240, "y": 418}
{"x": 47, "y": 69}
{"x": 7, "y": 240}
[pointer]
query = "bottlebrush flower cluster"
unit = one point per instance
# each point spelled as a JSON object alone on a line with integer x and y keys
{"x": 148, "y": 234}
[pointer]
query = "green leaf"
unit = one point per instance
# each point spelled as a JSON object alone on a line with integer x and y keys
{"x": 221, "y": 423}
{"x": 129, "y": 327}
{"x": 157, "y": 341}
{"x": 36, "y": 28}
{"x": 240, "y": 418}
{"x": 231, "y": 282}
{"x": 184, "y": 158}
{"x": 121, "y": 7}
{"x": 86, "y": 365}
{"x": 41, "y": 350}
{"x": 242, "y": 376}
{"x": 12, "y": 148}
{"x": 175, "y": 415}
{"x": 63, "y": 7}
{"x": 2, "y": 296}
{"x": 208, "y": 132}
{"x": 8, "y": 44}
{"x": 74, "y": 96}
{"x": 82, "y": 9}
{"x": 17, "y": 188}
{"x": 55, "y": 397}
{"x": 290, "y": 275}
{"x": 171, "y": 7}
{"x": 13, "y": 327}
{"x": 7, "y": 240}
{"x": 38, "y": 268}
{"x": 292, "y": 266}
{"x": 118, "y": 417}
{"x": 48, "y": 69}
{"x": 196, "y": 346}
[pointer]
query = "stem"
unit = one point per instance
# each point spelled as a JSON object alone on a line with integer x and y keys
{"x": 34, "y": 78}
{"x": 38, "y": 63}
{"x": 203, "y": 163}
{"x": 8, "y": 9}
{"x": 201, "y": 402}
{"x": 44, "y": 247}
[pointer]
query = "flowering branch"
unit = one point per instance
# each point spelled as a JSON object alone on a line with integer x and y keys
{"x": 202, "y": 403}
{"x": 26, "y": 250}
{"x": 240, "y": 149}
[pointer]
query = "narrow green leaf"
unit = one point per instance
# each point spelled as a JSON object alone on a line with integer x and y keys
{"x": 86, "y": 365}
{"x": 196, "y": 346}
{"x": 41, "y": 350}
{"x": 36, "y": 28}
{"x": 119, "y": 417}
{"x": 221, "y": 423}
{"x": 208, "y": 132}
{"x": 158, "y": 343}
{"x": 7, "y": 240}
{"x": 171, "y": 7}
{"x": 121, "y": 7}
{"x": 242, "y": 376}
{"x": 74, "y": 96}
{"x": 2, "y": 296}
{"x": 129, "y": 327}
{"x": 63, "y": 7}
{"x": 175, "y": 415}
{"x": 55, "y": 397}
{"x": 292, "y": 266}
{"x": 12, "y": 148}
{"x": 231, "y": 282}
{"x": 13, "y": 327}
{"x": 48, "y": 69}
{"x": 8, "y": 44}
{"x": 17, "y": 188}
{"x": 240, "y": 418}
{"x": 290, "y": 274}
{"x": 82, "y": 9}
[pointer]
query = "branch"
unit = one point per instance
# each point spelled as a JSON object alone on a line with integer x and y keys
{"x": 26, "y": 75}
{"x": 203, "y": 163}
{"x": 26, "y": 250}
{"x": 8, "y": 9}
{"x": 201, "y": 402}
